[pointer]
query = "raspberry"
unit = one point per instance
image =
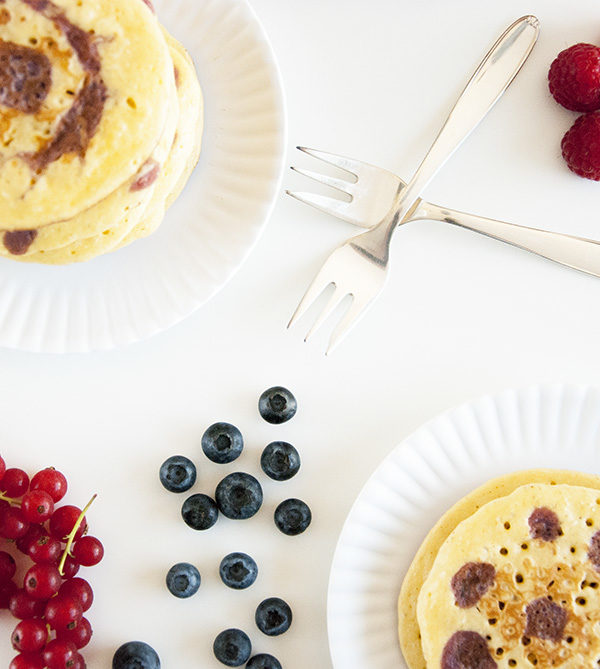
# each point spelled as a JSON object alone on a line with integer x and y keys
{"x": 581, "y": 146}
{"x": 574, "y": 78}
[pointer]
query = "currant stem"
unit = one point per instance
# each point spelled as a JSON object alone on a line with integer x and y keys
{"x": 71, "y": 536}
{"x": 11, "y": 500}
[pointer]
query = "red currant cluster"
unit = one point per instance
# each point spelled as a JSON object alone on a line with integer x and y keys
{"x": 51, "y": 602}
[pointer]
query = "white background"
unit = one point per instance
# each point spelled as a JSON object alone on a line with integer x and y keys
{"x": 461, "y": 315}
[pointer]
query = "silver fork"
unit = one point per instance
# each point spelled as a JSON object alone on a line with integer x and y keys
{"x": 359, "y": 267}
{"x": 374, "y": 191}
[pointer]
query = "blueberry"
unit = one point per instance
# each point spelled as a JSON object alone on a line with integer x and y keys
{"x": 135, "y": 655}
{"x": 273, "y": 616}
{"x": 239, "y": 496}
{"x": 277, "y": 405}
{"x": 238, "y": 571}
{"x": 292, "y": 517}
{"x": 280, "y": 461}
{"x": 222, "y": 443}
{"x": 263, "y": 661}
{"x": 178, "y": 474}
{"x": 232, "y": 647}
{"x": 183, "y": 580}
{"x": 199, "y": 512}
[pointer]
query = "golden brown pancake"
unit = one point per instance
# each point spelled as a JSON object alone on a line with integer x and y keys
{"x": 84, "y": 98}
{"x": 517, "y": 584}
{"x": 408, "y": 627}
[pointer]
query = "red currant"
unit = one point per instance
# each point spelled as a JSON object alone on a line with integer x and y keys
{"x": 27, "y": 661}
{"x": 33, "y": 534}
{"x": 12, "y": 523}
{"x": 88, "y": 551}
{"x": 14, "y": 483}
{"x": 70, "y": 568}
{"x": 80, "y": 636}
{"x": 51, "y": 481}
{"x": 79, "y": 662}
{"x": 30, "y": 636}
{"x": 42, "y": 581}
{"x": 59, "y": 655}
{"x": 8, "y": 566}
{"x": 22, "y": 606}
{"x": 7, "y": 590}
{"x": 49, "y": 604}
{"x": 45, "y": 549}
{"x": 37, "y": 506}
{"x": 63, "y": 521}
{"x": 63, "y": 612}
{"x": 79, "y": 588}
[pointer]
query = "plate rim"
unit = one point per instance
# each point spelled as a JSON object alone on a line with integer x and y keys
{"x": 277, "y": 183}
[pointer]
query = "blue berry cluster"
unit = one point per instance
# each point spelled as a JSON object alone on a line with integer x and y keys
{"x": 239, "y": 496}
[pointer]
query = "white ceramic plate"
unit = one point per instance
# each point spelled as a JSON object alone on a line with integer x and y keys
{"x": 556, "y": 427}
{"x": 149, "y": 286}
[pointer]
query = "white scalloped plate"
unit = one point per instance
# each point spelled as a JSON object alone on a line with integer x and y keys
{"x": 555, "y": 427}
{"x": 149, "y": 286}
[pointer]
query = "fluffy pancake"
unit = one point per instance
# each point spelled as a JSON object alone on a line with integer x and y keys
{"x": 409, "y": 632}
{"x": 102, "y": 227}
{"x": 123, "y": 207}
{"x": 517, "y": 584}
{"x": 98, "y": 81}
{"x": 186, "y": 148}
{"x": 191, "y": 124}
{"x": 91, "y": 247}
{"x": 182, "y": 158}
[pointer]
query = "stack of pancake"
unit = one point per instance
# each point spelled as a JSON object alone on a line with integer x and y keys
{"x": 100, "y": 126}
{"x": 509, "y": 577}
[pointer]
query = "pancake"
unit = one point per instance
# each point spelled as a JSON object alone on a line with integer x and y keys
{"x": 103, "y": 227}
{"x": 409, "y": 633}
{"x": 98, "y": 79}
{"x": 86, "y": 249}
{"x": 517, "y": 584}
{"x": 144, "y": 228}
{"x": 191, "y": 124}
{"x": 125, "y": 206}
{"x": 173, "y": 175}
{"x": 186, "y": 148}
{"x": 177, "y": 169}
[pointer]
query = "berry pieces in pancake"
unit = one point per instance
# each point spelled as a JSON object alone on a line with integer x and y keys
{"x": 517, "y": 584}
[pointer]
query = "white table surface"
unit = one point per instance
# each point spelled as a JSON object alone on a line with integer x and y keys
{"x": 462, "y": 315}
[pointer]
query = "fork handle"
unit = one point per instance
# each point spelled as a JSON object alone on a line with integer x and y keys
{"x": 493, "y": 76}
{"x": 576, "y": 252}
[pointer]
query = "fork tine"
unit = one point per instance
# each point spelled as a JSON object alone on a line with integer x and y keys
{"x": 338, "y": 184}
{"x": 333, "y": 302}
{"x": 314, "y": 290}
{"x": 346, "y": 164}
{"x": 328, "y": 205}
{"x": 352, "y": 316}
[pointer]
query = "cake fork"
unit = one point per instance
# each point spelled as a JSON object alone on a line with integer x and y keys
{"x": 373, "y": 193}
{"x": 359, "y": 267}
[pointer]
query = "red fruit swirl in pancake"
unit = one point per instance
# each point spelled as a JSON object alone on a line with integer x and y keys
{"x": 25, "y": 80}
